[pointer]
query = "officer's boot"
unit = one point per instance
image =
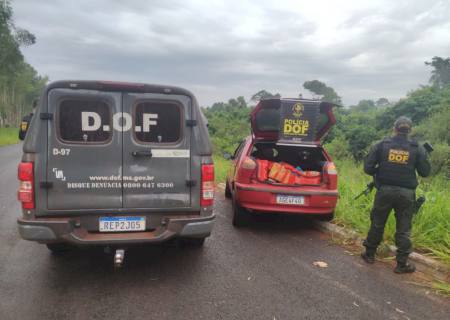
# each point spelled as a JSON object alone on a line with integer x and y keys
{"x": 368, "y": 256}
{"x": 405, "y": 267}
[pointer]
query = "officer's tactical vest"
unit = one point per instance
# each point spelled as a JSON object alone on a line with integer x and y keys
{"x": 397, "y": 163}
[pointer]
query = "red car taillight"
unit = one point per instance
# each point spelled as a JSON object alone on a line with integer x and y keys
{"x": 207, "y": 189}
{"x": 331, "y": 175}
{"x": 246, "y": 170}
{"x": 26, "y": 187}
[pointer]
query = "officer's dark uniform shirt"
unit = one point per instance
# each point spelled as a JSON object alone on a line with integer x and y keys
{"x": 394, "y": 161}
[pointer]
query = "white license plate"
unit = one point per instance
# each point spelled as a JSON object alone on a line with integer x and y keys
{"x": 121, "y": 224}
{"x": 295, "y": 200}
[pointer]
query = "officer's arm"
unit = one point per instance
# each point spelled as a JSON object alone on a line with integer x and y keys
{"x": 371, "y": 161}
{"x": 423, "y": 165}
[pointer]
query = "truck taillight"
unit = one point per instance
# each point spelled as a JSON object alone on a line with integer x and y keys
{"x": 26, "y": 188}
{"x": 207, "y": 189}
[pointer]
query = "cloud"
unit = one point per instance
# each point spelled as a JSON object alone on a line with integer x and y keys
{"x": 223, "y": 49}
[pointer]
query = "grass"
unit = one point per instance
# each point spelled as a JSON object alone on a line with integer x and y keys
{"x": 9, "y": 136}
{"x": 430, "y": 227}
{"x": 442, "y": 288}
{"x": 430, "y": 233}
{"x": 220, "y": 168}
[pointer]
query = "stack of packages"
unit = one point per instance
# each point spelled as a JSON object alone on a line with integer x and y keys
{"x": 284, "y": 173}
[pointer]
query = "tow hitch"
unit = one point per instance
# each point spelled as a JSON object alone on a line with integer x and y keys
{"x": 119, "y": 257}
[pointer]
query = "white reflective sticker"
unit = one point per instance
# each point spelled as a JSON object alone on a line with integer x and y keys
{"x": 170, "y": 153}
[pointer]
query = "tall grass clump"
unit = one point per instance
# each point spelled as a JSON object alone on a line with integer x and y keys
{"x": 221, "y": 166}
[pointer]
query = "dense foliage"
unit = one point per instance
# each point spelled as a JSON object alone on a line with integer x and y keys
{"x": 228, "y": 124}
{"x": 20, "y": 84}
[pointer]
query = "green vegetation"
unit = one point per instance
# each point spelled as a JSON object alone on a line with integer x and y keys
{"x": 357, "y": 128}
{"x": 228, "y": 124}
{"x": 20, "y": 84}
{"x": 221, "y": 167}
{"x": 9, "y": 136}
{"x": 442, "y": 287}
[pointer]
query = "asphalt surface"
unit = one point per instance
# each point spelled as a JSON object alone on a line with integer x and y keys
{"x": 265, "y": 271}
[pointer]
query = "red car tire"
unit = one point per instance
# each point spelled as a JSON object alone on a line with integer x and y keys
{"x": 241, "y": 216}
{"x": 228, "y": 194}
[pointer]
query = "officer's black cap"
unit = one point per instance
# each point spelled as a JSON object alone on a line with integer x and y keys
{"x": 403, "y": 124}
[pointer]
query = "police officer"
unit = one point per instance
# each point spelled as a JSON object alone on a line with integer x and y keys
{"x": 26, "y": 122}
{"x": 393, "y": 162}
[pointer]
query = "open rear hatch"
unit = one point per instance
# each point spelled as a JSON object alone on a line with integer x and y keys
{"x": 287, "y": 150}
{"x": 292, "y": 121}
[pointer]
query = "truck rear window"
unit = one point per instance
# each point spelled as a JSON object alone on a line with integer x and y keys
{"x": 157, "y": 122}
{"x": 84, "y": 121}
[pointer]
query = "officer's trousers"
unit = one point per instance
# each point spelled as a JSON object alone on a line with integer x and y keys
{"x": 402, "y": 201}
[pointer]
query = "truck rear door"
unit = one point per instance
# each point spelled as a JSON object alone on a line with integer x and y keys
{"x": 84, "y": 165}
{"x": 156, "y": 151}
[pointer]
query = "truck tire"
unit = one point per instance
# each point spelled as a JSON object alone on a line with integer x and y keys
{"x": 58, "y": 248}
{"x": 241, "y": 216}
{"x": 228, "y": 194}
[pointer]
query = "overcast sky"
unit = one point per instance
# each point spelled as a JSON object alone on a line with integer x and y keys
{"x": 224, "y": 49}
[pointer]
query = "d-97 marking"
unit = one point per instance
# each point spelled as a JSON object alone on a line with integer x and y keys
{"x": 61, "y": 152}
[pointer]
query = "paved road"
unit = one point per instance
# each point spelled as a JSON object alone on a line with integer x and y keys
{"x": 262, "y": 272}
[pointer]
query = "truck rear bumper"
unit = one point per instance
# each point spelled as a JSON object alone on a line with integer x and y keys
{"x": 69, "y": 230}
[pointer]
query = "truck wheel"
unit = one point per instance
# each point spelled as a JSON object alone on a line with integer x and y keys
{"x": 58, "y": 248}
{"x": 240, "y": 215}
{"x": 227, "y": 191}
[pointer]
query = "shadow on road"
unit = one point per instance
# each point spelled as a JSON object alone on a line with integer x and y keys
{"x": 271, "y": 223}
{"x": 142, "y": 264}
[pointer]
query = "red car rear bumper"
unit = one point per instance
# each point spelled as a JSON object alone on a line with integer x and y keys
{"x": 262, "y": 197}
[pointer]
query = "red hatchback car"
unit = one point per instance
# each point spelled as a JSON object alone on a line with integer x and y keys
{"x": 282, "y": 167}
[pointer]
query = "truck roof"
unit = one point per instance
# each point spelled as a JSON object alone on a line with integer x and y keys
{"x": 104, "y": 85}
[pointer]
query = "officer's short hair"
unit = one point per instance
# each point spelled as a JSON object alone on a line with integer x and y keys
{"x": 403, "y": 124}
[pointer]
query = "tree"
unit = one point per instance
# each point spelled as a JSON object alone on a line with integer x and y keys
{"x": 11, "y": 38}
{"x": 440, "y": 75}
{"x": 321, "y": 89}
{"x": 20, "y": 84}
{"x": 418, "y": 105}
{"x": 365, "y": 105}
{"x": 239, "y": 102}
{"x": 263, "y": 94}
{"x": 382, "y": 102}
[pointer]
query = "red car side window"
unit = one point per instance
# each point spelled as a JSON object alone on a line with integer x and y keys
{"x": 237, "y": 152}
